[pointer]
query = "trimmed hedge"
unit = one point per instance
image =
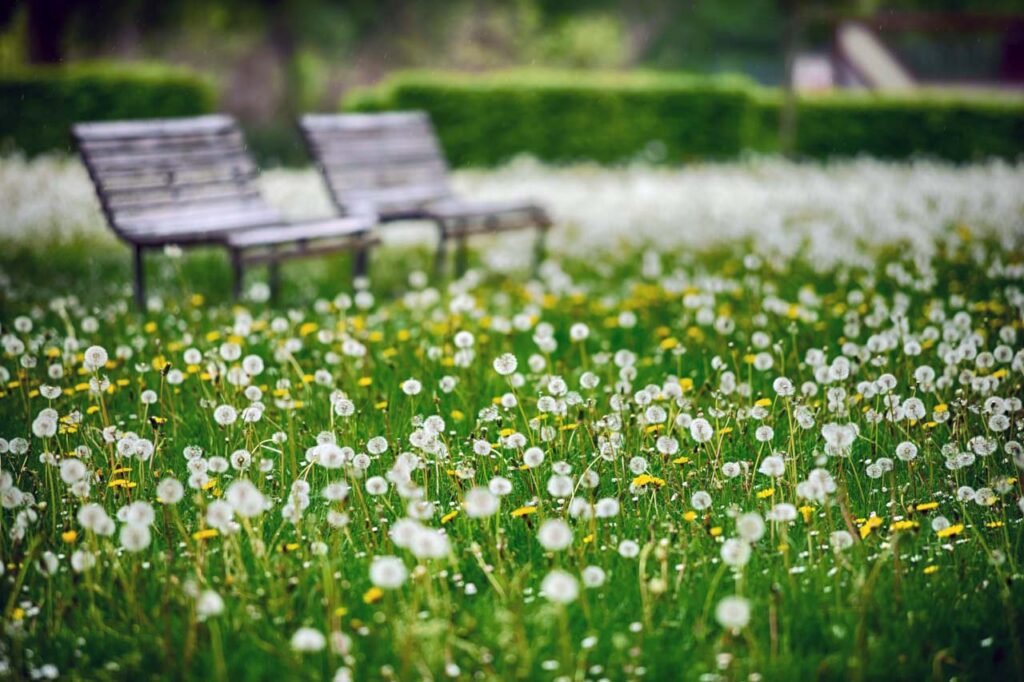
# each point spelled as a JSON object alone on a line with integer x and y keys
{"x": 564, "y": 117}
{"x": 39, "y": 104}
{"x": 609, "y": 118}
{"x": 964, "y": 128}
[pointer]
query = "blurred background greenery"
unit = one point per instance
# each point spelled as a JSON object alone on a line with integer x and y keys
{"x": 266, "y": 60}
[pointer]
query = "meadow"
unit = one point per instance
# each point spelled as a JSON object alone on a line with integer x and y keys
{"x": 751, "y": 421}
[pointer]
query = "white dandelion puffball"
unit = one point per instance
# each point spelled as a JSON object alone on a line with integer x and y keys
{"x": 388, "y": 572}
{"x": 733, "y": 613}
{"x": 554, "y": 535}
{"x": 750, "y": 526}
{"x": 560, "y": 587}
{"x": 735, "y": 552}
{"x": 245, "y": 498}
{"x": 308, "y": 640}
{"x": 95, "y": 357}
{"x": 505, "y": 364}
{"x": 480, "y": 503}
{"x": 209, "y": 604}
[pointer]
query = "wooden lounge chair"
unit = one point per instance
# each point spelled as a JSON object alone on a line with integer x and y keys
{"x": 392, "y": 164}
{"x": 191, "y": 181}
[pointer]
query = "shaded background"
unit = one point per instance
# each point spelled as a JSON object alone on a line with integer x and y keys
{"x": 267, "y": 60}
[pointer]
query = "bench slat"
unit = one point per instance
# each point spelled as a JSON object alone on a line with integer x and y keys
{"x": 321, "y": 229}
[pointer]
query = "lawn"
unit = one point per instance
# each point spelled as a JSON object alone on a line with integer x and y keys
{"x": 754, "y": 421}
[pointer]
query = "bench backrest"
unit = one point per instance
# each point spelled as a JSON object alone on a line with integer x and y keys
{"x": 388, "y": 163}
{"x": 176, "y": 180}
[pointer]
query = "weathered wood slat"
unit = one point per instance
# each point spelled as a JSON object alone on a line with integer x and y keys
{"x": 210, "y": 156}
{"x": 455, "y": 208}
{"x": 178, "y": 204}
{"x": 179, "y": 184}
{"x": 153, "y": 128}
{"x": 321, "y": 229}
{"x": 392, "y": 119}
{"x": 99, "y": 148}
{"x": 196, "y": 227}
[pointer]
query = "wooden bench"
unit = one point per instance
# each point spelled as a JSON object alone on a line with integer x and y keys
{"x": 392, "y": 164}
{"x": 191, "y": 181}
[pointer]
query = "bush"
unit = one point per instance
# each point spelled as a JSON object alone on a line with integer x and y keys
{"x": 39, "y": 104}
{"x": 609, "y": 118}
{"x": 955, "y": 128}
{"x": 565, "y": 117}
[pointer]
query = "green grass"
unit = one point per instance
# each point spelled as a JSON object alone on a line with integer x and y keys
{"x": 902, "y": 603}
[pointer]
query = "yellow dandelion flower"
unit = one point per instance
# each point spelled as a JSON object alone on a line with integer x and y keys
{"x": 523, "y": 511}
{"x": 374, "y": 594}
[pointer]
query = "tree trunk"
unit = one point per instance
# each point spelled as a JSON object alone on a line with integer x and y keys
{"x": 47, "y": 20}
{"x": 790, "y": 46}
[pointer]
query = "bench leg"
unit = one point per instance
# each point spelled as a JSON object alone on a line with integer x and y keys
{"x": 442, "y": 249}
{"x": 539, "y": 248}
{"x": 274, "y": 279}
{"x": 140, "y": 278}
{"x": 461, "y": 249}
{"x": 360, "y": 262}
{"x": 238, "y": 273}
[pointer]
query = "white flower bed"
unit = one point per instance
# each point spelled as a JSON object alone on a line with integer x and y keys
{"x": 831, "y": 210}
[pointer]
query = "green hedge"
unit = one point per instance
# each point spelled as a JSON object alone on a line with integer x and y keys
{"x": 38, "y": 105}
{"x": 564, "y": 117}
{"x": 955, "y": 128}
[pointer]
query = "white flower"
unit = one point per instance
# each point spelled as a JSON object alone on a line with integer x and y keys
{"x": 773, "y": 466}
{"x": 245, "y": 499}
{"x": 700, "y": 500}
{"x": 308, "y": 640}
{"x": 628, "y": 549}
{"x": 411, "y": 387}
{"x": 480, "y": 503}
{"x": 906, "y": 451}
{"x": 701, "y": 430}
{"x": 840, "y": 540}
{"x": 505, "y": 364}
{"x": 733, "y": 613}
{"x": 209, "y": 604}
{"x": 135, "y": 538}
{"x": 225, "y": 415}
{"x": 554, "y": 535}
{"x": 388, "y": 572}
{"x": 95, "y": 358}
{"x": 560, "y": 587}
{"x": 72, "y": 470}
{"x": 735, "y": 552}
{"x": 593, "y": 576}
{"x": 750, "y": 526}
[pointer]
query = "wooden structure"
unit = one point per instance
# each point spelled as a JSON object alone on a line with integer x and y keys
{"x": 190, "y": 181}
{"x": 391, "y": 164}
